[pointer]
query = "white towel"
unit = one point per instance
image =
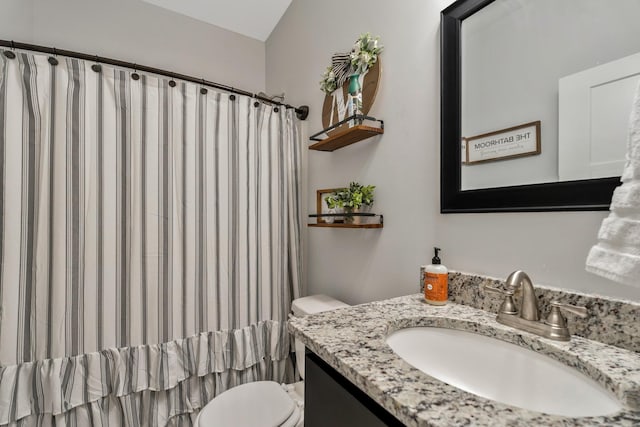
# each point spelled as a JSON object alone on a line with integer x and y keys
{"x": 616, "y": 256}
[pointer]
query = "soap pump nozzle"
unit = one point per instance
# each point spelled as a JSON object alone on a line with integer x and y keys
{"x": 436, "y": 259}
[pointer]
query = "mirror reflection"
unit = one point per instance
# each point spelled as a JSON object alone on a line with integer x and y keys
{"x": 547, "y": 88}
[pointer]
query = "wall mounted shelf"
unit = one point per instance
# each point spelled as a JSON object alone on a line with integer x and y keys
{"x": 348, "y": 136}
{"x": 341, "y": 224}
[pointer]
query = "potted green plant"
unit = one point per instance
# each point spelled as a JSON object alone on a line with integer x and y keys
{"x": 357, "y": 198}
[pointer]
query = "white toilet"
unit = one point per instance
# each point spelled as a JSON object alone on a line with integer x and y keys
{"x": 267, "y": 403}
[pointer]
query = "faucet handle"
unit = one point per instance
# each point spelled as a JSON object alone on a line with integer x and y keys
{"x": 493, "y": 289}
{"x": 578, "y": 310}
{"x": 557, "y": 321}
{"x": 508, "y": 306}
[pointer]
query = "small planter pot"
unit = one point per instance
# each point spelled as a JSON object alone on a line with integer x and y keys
{"x": 330, "y": 219}
{"x": 358, "y": 220}
{"x": 348, "y": 218}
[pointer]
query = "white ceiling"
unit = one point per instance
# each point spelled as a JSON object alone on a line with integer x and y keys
{"x": 253, "y": 18}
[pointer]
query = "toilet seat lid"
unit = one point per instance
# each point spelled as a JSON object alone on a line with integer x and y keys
{"x": 261, "y": 403}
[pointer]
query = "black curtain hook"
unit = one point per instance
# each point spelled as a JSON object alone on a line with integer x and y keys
{"x": 96, "y": 67}
{"x": 52, "y": 59}
{"x": 13, "y": 45}
{"x": 135, "y": 75}
{"x": 8, "y": 53}
{"x": 203, "y": 90}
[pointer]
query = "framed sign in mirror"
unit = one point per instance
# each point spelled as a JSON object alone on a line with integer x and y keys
{"x": 504, "y": 144}
{"x": 480, "y": 95}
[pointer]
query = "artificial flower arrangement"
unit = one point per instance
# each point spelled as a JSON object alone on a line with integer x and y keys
{"x": 363, "y": 55}
{"x": 328, "y": 83}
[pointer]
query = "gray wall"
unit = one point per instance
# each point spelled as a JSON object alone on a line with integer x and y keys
{"x": 16, "y": 19}
{"x": 365, "y": 265}
{"x": 135, "y": 31}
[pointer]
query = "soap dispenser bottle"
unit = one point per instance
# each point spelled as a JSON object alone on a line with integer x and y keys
{"x": 436, "y": 285}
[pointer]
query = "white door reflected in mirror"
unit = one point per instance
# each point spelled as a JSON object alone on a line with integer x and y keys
{"x": 593, "y": 123}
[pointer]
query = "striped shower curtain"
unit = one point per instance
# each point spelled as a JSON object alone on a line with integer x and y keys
{"x": 149, "y": 244}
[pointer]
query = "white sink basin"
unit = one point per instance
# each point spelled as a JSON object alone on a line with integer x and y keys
{"x": 502, "y": 372}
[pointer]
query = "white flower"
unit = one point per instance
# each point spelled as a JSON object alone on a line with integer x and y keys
{"x": 328, "y": 83}
{"x": 364, "y": 53}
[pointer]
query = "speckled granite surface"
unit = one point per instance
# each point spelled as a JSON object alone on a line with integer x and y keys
{"x": 615, "y": 322}
{"x": 352, "y": 340}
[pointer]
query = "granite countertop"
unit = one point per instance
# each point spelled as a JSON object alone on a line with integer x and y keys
{"x": 352, "y": 341}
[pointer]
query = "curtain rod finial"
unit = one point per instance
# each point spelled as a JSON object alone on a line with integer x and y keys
{"x": 302, "y": 112}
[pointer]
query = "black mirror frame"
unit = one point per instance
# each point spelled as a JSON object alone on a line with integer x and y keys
{"x": 583, "y": 195}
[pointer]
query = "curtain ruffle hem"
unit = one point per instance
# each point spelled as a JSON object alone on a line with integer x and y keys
{"x": 147, "y": 385}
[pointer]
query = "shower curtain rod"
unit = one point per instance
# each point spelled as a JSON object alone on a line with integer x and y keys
{"x": 302, "y": 112}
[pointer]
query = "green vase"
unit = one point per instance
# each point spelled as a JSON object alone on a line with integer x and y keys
{"x": 354, "y": 84}
{"x": 355, "y": 99}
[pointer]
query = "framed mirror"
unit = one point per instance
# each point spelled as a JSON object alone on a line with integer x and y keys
{"x": 535, "y": 101}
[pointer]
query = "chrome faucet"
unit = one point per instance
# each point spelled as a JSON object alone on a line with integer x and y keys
{"x": 527, "y": 317}
{"x": 529, "y": 306}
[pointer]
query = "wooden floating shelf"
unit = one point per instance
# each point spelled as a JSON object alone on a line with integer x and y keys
{"x": 347, "y": 137}
{"x": 342, "y": 225}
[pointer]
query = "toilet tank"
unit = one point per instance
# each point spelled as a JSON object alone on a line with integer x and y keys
{"x": 315, "y": 304}
{"x": 311, "y": 305}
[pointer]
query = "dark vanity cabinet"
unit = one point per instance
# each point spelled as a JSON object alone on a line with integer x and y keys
{"x": 332, "y": 400}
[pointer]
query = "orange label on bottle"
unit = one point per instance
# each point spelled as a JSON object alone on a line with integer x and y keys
{"x": 435, "y": 287}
